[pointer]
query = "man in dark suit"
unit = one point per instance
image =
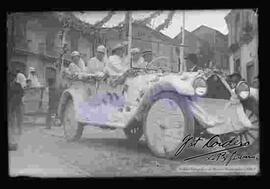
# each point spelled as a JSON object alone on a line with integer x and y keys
{"x": 15, "y": 94}
{"x": 192, "y": 60}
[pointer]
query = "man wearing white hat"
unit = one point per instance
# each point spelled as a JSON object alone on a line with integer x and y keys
{"x": 97, "y": 63}
{"x": 77, "y": 65}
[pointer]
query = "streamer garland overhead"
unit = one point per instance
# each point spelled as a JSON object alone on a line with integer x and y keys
{"x": 147, "y": 20}
{"x": 104, "y": 20}
{"x": 166, "y": 23}
{"x": 69, "y": 20}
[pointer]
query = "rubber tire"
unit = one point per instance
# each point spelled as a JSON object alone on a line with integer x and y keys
{"x": 189, "y": 120}
{"x": 252, "y": 105}
{"x": 252, "y": 149}
{"x": 80, "y": 127}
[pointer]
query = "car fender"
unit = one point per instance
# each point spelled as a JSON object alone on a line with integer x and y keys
{"x": 78, "y": 96}
{"x": 159, "y": 87}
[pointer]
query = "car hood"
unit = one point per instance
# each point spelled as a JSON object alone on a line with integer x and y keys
{"x": 140, "y": 84}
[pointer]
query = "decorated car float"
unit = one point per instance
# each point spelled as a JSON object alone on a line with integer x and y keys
{"x": 163, "y": 106}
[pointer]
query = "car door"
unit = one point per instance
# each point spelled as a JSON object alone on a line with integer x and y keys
{"x": 109, "y": 101}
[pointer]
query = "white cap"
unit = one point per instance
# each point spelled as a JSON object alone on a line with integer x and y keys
{"x": 75, "y": 53}
{"x": 135, "y": 50}
{"x": 101, "y": 48}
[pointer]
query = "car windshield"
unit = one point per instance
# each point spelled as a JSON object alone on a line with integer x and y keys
{"x": 160, "y": 63}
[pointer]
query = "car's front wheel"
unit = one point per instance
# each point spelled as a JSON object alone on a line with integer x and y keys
{"x": 72, "y": 128}
{"x": 167, "y": 122}
{"x": 249, "y": 136}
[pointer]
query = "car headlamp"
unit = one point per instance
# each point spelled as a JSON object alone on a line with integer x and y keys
{"x": 200, "y": 86}
{"x": 242, "y": 89}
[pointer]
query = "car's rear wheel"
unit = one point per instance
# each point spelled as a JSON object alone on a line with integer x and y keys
{"x": 72, "y": 128}
{"x": 166, "y": 123}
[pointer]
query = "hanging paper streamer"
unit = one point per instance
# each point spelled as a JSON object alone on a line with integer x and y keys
{"x": 104, "y": 20}
{"x": 167, "y": 22}
{"x": 69, "y": 20}
{"x": 147, "y": 20}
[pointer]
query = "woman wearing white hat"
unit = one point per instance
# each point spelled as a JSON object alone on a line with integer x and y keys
{"x": 77, "y": 65}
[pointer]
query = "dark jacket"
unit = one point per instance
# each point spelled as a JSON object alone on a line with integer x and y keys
{"x": 15, "y": 95}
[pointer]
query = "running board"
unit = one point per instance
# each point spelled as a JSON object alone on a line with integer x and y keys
{"x": 103, "y": 125}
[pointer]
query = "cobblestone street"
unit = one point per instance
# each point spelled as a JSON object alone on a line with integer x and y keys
{"x": 99, "y": 153}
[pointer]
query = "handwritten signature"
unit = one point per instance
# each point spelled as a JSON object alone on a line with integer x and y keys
{"x": 228, "y": 157}
{"x": 214, "y": 141}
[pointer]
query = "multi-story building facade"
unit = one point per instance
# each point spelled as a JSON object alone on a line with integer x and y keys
{"x": 218, "y": 45}
{"x": 243, "y": 42}
{"x": 37, "y": 44}
{"x": 194, "y": 45}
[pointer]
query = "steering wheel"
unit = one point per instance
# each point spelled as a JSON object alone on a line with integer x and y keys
{"x": 157, "y": 60}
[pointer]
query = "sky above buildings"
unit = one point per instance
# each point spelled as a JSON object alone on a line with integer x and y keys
{"x": 193, "y": 19}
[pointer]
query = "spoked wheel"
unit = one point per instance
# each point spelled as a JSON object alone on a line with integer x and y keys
{"x": 166, "y": 124}
{"x": 249, "y": 136}
{"x": 134, "y": 131}
{"x": 72, "y": 129}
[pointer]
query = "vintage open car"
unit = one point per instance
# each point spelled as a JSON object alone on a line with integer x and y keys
{"x": 163, "y": 106}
